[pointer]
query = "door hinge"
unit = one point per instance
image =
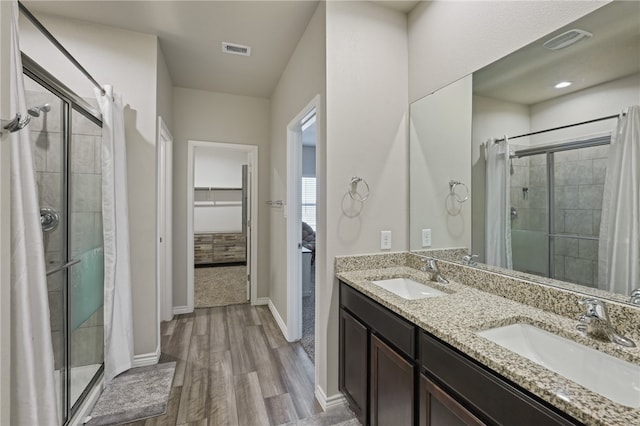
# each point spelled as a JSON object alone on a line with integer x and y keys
{"x": 160, "y": 239}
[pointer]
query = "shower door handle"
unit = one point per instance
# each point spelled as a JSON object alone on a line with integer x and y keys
{"x": 65, "y": 266}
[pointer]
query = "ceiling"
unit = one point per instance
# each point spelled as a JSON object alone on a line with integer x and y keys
{"x": 191, "y": 33}
{"x": 528, "y": 75}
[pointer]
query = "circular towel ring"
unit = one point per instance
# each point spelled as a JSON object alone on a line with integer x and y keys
{"x": 353, "y": 189}
{"x": 452, "y": 190}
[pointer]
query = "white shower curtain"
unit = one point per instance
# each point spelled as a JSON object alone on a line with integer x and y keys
{"x": 33, "y": 392}
{"x": 118, "y": 315}
{"x": 498, "y": 205}
{"x": 619, "y": 247}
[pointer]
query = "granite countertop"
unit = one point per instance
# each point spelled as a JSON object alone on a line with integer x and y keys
{"x": 456, "y": 317}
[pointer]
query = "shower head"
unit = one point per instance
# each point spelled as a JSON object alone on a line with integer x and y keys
{"x": 35, "y": 111}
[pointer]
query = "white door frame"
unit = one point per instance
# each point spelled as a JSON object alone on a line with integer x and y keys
{"x": 294, "y": 230}
{"x": 252, "y": 151}
{"x": 164, "y": 253}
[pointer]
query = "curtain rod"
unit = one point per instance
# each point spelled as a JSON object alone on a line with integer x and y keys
{"x": 609, "y": 117}
{"x": 57, "y": 44}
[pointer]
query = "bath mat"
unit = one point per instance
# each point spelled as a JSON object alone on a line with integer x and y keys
{"x": 133, "y": 395}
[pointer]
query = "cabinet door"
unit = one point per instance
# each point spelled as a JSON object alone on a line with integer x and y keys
{"x": 353, "y": 364}
{"x": 438, "y": 408}
{"x": 392, "y": 384}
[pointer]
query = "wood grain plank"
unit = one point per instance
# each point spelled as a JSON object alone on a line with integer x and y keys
{"x": 201, "y": 322}
{"x": 196, "y": 378}
{"x": 240, "y": 354}
{"x": 221, "y": 401}
{"x": 271, "y": 329}
{"x": 297, "y": 382}
{"x": 178, "y": 347}
{"x": 265, "y": 363}
{"x": 281, "y": 409}
{"x": 218, "y": 336}
{"x": 249, "y": 400}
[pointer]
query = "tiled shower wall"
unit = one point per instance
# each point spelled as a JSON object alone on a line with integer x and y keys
{"x": 578, "y": 188}
{"x": 86, "y": 345}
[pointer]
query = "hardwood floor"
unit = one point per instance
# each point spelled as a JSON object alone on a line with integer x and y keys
{"x": 234, "y": 367}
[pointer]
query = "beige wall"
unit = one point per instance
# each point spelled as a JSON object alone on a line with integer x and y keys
{"x": 128, "y": 61}
{"x": 5, "y": 221}
{"x": 217, "y": 117}
{"x": 367, "y": 121}
{"x": 448, "y": 40}
{"x": 440, "y": 135}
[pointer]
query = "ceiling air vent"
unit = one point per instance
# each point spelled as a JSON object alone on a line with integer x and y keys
{"x": 566, "y": 39}
{"x": 236, "y": 49}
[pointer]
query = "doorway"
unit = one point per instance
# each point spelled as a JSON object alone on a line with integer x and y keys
{"x": 221, "y": 224}
{"x": 301, "y": 228}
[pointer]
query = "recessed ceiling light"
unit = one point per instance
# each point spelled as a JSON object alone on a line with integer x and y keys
{"x": 563, "y": 84}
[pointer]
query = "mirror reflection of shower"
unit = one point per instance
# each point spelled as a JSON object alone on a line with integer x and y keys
{"x": 36, "y": 110}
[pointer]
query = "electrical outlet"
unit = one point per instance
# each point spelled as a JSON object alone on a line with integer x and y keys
{"x": 385, "y": 240}
{"x": 426, "y": 238}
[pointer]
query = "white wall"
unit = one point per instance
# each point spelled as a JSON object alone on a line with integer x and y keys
{"x": 450, "y": 39}
{"x": 302, "y": 79}
{"x": 219, "y": 168}
{"x": 164, "y": 91}
{"x": 599, "y": 101}
{"x": 367, "y": 121}
{"x": 128, "y": 61}
{"x": 5, "y": 221}
{"x": 217, "y": 117}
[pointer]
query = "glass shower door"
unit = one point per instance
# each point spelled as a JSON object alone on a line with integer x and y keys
{"x": 529, "y": 212}
{"x": 66, "y": 144}
{"x": 86, "y": 278}
{"x": 45, "y": 127}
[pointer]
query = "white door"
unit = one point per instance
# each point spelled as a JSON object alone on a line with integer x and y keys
{"x": 246, "y": 220}
{"x": 164, "y": 253}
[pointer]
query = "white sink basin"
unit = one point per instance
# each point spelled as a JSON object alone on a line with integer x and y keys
{"x": 408, "y": 288}
{"x": 611, "y": 377}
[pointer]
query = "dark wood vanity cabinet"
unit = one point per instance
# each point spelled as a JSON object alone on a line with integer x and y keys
{"x": 392, "y": 386}
{"x": 377, "y": 365}
{"x": 354, "y": 344}
{"x": 393, "y": 373}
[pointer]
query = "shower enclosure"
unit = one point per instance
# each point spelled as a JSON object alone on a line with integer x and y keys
{"x": 556, "y": 201}
{"x": 66, "y": 137}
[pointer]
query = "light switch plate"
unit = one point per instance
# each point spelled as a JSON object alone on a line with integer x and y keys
{"x": 426, "y": 238}
{"x": 385, "y": 240}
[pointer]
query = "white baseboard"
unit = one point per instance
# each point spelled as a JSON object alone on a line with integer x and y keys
{"x": 329, "y": 402}
{"x": 177, "y": 310}
{"x": 142, "y": 360}
{"x": 279, "y": 321}
{"x": 85, "y": 409}
{"x": 261, "y": 301}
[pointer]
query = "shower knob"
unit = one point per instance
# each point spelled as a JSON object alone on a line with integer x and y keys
{"x": 49, "y": 219}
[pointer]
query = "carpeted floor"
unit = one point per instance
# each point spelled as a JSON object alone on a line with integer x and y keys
{"x": 220, "y": 286}
{"x": 308, "y": 320}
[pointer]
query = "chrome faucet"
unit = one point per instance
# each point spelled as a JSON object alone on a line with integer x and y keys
{"x": 595, "y": 323}
{"x": 468, "y": 260}
{"x": 431, "y": 267}
{"x": 635, "y": 297}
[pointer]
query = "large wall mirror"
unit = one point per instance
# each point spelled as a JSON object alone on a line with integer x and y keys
{"x": 538, "y": 212}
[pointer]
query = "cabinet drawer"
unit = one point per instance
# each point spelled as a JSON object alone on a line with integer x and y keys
{"x": 203, "y": 239}
{"x": 498, "y": 401}
{"x": 396, "y": 330}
